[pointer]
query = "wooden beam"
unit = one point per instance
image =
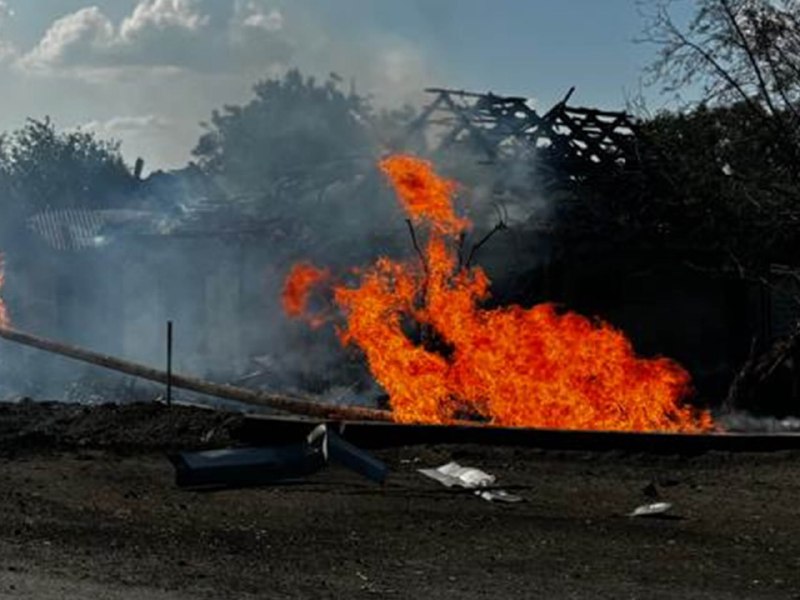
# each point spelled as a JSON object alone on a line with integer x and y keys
{"x": 285, "y": 403}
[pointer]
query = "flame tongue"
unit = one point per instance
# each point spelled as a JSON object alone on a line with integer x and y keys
{"x": 440, "y": 356}
{"x": 4, "y": 319}
{"x": 424, "y": 195}
{"x": 300, "y": 284}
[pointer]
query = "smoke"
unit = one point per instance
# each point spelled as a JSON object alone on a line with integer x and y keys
{"x": 743, "y": 422}
{"x": 216, "y": 274}
{"x": 112, "y": 287}
{"x": 213, "y": 259}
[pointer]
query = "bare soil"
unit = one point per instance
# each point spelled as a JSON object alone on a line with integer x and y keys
{"x": 89, "y": 509}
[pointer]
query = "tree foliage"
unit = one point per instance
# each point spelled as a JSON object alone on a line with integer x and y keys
{"x": 730, "y": 161}
{"x": 42, "y": 168}
{"x": 737, "y": 52}
{"x": 294, "y": 127}
{"x": 724, "y": 185}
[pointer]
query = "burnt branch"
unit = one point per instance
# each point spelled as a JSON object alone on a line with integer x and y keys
{"x": 417, "y": 249}
{"x": 501, "y": 225}
{"x": 462, "y": 238}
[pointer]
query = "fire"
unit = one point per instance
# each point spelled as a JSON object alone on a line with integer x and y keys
{"x": 297, "y": 289}
{"x": 5, "y": 321}
{"x": 440, "y": 356}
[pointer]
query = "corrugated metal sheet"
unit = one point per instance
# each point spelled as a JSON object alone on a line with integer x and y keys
{"x": 78, "y": 229}
{"x": 69, "y": 229}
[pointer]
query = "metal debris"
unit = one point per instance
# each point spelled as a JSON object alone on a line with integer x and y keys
{"x": 237, "y": 467}
{"x": 355, "y": 459}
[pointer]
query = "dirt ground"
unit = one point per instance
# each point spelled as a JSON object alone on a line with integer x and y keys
{"x": 89, "y": 509}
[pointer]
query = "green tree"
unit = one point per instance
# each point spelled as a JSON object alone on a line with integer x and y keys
{"x": 732, "y": 158}
{"x": 736, "y": 52}
{"x": 295, "y": 128}
{"x": 42, "y": 168}
{"x": 46, "y": 168}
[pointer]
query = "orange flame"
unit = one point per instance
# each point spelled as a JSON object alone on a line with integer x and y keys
{"x": 5, "y": 321}
{"x": 440, "y": 356}
{"x": 423, "y": 194}
{"x": 297, "y": 289}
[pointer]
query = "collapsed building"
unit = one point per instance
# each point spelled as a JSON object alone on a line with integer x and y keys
{"x": 587, "y": 177}
{"x": 189, "y": 252}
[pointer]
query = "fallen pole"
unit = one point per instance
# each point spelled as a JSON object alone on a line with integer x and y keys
{"x": 277, "y": 401}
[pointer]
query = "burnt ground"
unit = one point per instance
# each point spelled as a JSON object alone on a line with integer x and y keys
{"x": 89, "y": 509}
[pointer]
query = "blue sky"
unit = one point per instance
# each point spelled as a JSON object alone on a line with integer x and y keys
{"x": 147, "y": 71}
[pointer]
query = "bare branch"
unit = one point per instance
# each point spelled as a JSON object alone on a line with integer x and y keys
{"x": 416, "y": 246}
{"x": 499, "y": 227}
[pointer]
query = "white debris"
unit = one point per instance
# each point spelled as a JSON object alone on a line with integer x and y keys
{"x": 649, "y": 510}
{"x": 498, "y": 496}
{"x": 454, "y": 475}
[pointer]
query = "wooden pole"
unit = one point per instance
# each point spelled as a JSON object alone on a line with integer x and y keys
{"x": 169, "y": 363}
{"x": 257, "y": 398}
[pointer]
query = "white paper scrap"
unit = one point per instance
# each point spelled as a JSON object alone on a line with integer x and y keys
{"x": 453, "y": 474}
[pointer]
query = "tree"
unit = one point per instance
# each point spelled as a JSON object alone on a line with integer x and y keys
{"x": 744, "y": 52}
{"x": 293, "y": 129}
{"x": 302, "y": 156}
{"x": 734, "y": 156}
{"x": 42, "y": 168}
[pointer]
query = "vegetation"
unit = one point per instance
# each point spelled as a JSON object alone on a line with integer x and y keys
{"x": 41, "y": 168}
{"x": 731, "y": 158}
{"x": 293, "y": 128}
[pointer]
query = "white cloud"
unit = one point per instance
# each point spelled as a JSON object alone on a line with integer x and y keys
{"x": 255, "y": 16}
{"x": 72, "y": 37}
{"x": 154, "y": 33}
{"x": 151, "y": 75}
{"x": 161, "y": 15}
{"x": 272, "y": 21}
{"x": 127, "y": 125}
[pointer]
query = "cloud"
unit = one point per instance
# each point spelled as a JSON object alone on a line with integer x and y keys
{"x": 253, "y": 15}
{"x": 162, "y": 33}
{"x": 72, "y": 38}
{"x": 180, "y": 59}
{"x": 125, "y": 125}
{"x": 162, "y": 15}
{"x": 159, "y": 139}
{"x": 157, "y": 32}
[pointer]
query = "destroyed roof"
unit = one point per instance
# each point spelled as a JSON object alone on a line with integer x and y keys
{"x": 184, "y": 203}
{"x": 571, "y": 138}
{"x": 80, "y": 229}
{"x": 76, "y": 229}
